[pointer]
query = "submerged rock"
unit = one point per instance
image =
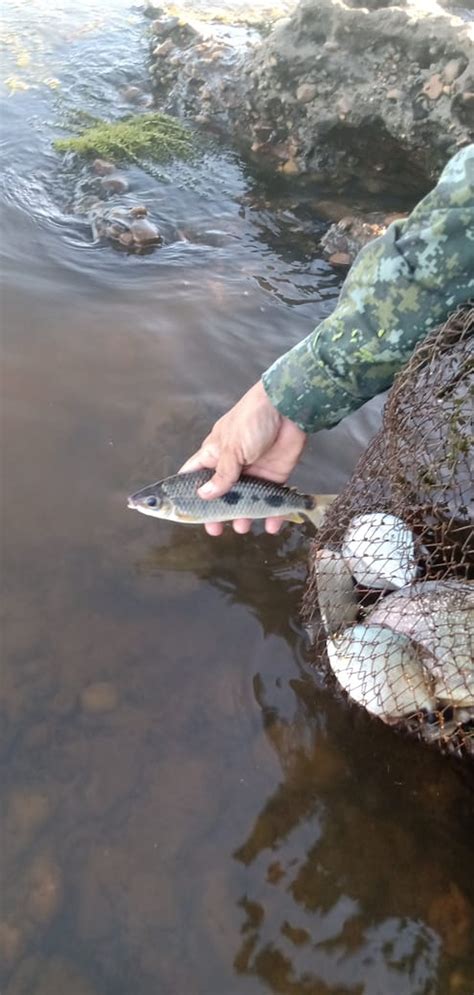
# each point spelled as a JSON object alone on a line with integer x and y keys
{"x": 344, "y": 239}
{"x": 99, "y": 697}
{"x": 123, "y": 226}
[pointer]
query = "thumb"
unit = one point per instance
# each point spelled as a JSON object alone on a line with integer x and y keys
{"x": 227, "y": 472}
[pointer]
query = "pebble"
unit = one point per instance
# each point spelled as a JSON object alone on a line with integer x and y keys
{"x": 132, "y": 93}
{"x": 451, "y": 915}
{"x": 27, "y": 813}
{"x": 165, "y": 26}
{"x": 144, "y": 231}
{"x": 340, "y": 259}
{"x": 11, "y": 943}
{"x": 468, "y": 98}
{"x": 290, "y": 167}
{"x": 433, "y": 88}
{"x": 102, "y": 167}
{"x": 394, "y": 94}
{"x": 166, "y": 47}
{"x": 452, "y": 70}
{"x": 99, "y": 697}
{"x": 44, "y": 890}
{"x": 114, "y": 184}
{"x": 344, "y": 105}
{"x": 306, "y": 92}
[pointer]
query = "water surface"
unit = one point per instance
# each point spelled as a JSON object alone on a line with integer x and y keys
{"x": 186, "y": 807}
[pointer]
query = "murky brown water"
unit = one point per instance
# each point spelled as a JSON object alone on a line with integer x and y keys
{"x": 186, "y": 809}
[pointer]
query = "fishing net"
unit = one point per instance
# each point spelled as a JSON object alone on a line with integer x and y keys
{"x": 390, "y": 599}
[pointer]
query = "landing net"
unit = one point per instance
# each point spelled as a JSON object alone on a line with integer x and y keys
{"x": 390, "y": 599}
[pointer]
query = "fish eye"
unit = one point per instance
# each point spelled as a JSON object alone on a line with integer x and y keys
{"x": 151, "y": 502}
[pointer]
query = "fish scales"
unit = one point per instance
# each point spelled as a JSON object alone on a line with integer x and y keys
{"x": 246, "y": 498}
{"x": 176, "y": 499}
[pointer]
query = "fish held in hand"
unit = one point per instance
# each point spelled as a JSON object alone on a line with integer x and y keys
{"x": 176, "y": 499}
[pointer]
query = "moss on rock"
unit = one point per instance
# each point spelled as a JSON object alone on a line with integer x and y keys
{"x": 155, "y": 136}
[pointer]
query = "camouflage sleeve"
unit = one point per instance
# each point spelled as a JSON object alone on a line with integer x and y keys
{"x": 401, "y": 285}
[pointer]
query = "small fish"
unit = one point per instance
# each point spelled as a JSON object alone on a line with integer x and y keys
{"x": 337, "y": 597}
{"x": 176, "y": 499}
{"x": 381, "y": 670}
{"x": 380, "y": 551}
{"x": 439, "y": 616}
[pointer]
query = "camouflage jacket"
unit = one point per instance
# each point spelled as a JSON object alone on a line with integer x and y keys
{"x": 400, "y": 286}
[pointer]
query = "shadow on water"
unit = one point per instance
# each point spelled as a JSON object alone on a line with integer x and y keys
{"x": 186, "y": 807}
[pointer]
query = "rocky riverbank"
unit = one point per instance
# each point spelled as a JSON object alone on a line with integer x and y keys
{"x": 335, "y": 92}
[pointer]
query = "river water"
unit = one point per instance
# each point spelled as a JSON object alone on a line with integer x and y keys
{"x": 187, "y": 810}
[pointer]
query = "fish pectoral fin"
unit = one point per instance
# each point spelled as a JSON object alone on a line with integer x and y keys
{"x": 321, "y": 504}
{"x": 295, "y": 517}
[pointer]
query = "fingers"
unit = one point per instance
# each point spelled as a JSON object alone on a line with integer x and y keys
{"x": 227, "y": 473}
{"x": 273, "y": 525}
{"x": 214, "y": 528}
{"x": 244, "y": 525}
{"x": 204, "y": 458}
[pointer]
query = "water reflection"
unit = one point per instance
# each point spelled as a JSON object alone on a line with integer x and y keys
{"x": 399, "y": 929}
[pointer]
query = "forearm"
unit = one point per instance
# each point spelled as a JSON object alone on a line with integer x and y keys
{"x": 401, "y": 286}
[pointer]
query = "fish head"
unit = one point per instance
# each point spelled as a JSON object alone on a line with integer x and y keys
{"x": 152, "y": 500}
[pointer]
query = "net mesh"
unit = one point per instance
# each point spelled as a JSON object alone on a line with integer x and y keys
{"x": 390, "y": 598}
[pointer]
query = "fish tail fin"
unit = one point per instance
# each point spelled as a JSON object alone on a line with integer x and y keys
{"x": 321, "y": 503}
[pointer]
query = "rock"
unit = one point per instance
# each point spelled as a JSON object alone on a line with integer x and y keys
{"x": 27, "y": 813}
{"x": 11, "y": 943}
{"x": 143, "y": 232}
{"x": 451, "y": 915}
{"x": 44, "y": 890}
{"x": 467, "y": 98}
{"x": 433, "y": 88}
{"x": 164, "y": 26}
{"x": 290, "y": 167}
{"x": 115, "y": 183}
{"x": 341, "y": 259}
{"x": 343, "y": 241}
{"x": 344, "y": 105}
{"x": 361, "y": 96}
{"x": 453, "y": 69}
{"x": 102, "y": 167}
{"x": 161, "y": 51}
{"x": 99, "y": 697}
{"x": 153, "y": 9}
{"x": 306, "y": 92}
{"x": 132, "y": 94}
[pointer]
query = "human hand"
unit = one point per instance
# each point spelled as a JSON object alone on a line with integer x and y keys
{"x": 253, "y": 436}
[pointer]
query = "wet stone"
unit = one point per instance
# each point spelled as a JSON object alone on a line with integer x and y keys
{"x": 306, "y": 92}
{"x": 44, "y": 890}
{"x": 99, "y": 697}
{"x": 452, "y": 916}
{"x": 133, "y": 94}
{"x": 433, "y": 88}
{"x": 27, "y": 812}
{"x": 11, "y": 944}
{"x": 114, "y": 184}
{"x": 453, "y": 69}
{"x": 102, "y": 167}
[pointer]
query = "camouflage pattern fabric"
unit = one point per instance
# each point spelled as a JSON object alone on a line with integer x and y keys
{"x": 401, "y": 285}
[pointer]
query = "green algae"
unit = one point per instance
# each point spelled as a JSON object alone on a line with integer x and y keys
{"x": 153, "y": 135}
